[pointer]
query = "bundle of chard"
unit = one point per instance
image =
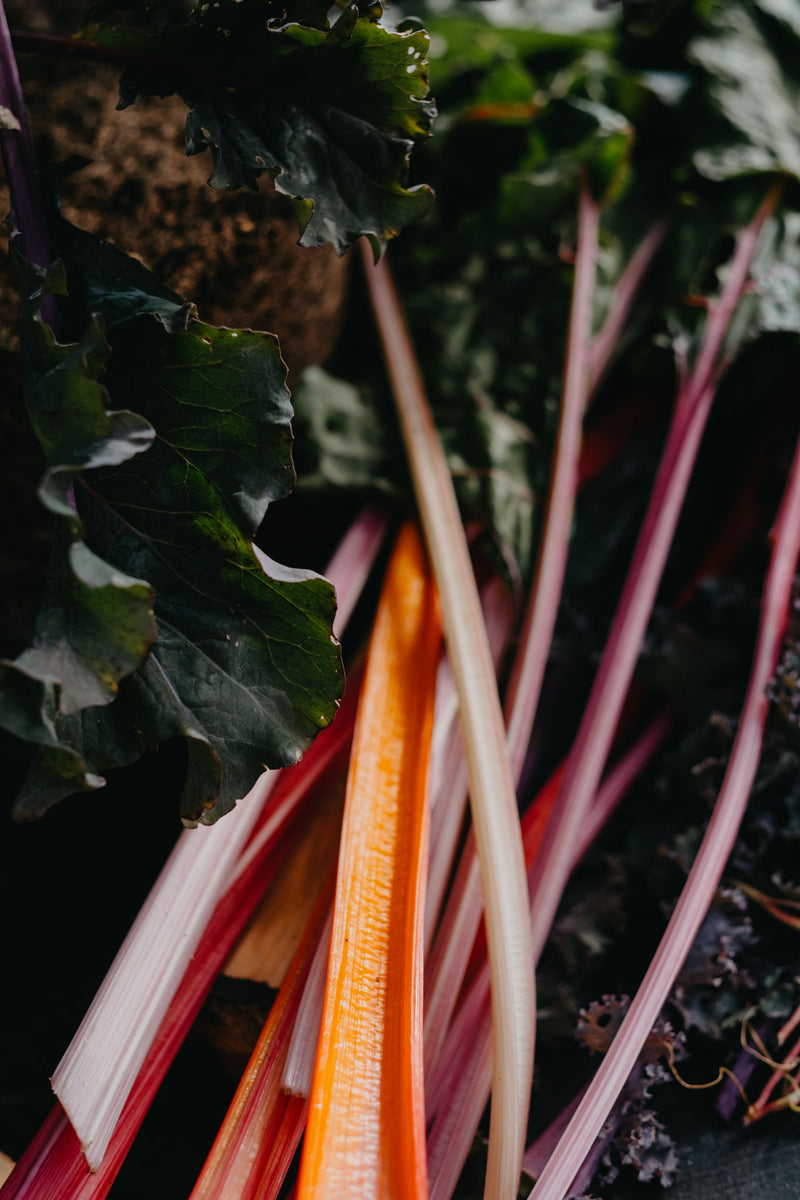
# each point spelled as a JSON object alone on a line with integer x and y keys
{"x": 563, "y": 413}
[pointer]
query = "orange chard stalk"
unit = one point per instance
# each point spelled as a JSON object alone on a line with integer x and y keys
{"x": 366, "y": 1126}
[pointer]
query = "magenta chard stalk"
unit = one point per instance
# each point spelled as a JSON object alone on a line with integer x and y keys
{"x": 600, "y": 719}
{"x": 706, "y": 872}
{"x": 537, "y": 633}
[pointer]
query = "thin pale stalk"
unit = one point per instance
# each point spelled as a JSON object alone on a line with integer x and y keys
{"x": 525, "y": 683}
{"x": 298, "y": 1071}
{"x": 494, "y": 808}
{"x": 625, "y": 292}
{"x": 459, "y": 1083}
{"x": 610, "y": 688}
{"x": 449, "y": 784}
{"x": 365, "y": 1134}
{"x": 708, "y": 866}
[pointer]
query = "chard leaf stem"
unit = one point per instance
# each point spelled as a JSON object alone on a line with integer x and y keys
{"x": 555, "y": 1180}
{"x": 603, "y": 709}
{"x": 492, "y": 796}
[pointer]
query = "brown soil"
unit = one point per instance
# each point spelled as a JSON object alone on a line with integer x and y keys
{"x": 233, "y": 253}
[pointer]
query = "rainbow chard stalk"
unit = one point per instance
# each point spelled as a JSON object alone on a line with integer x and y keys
{"x": 561, "y": 1169}
{"x": 586, "y": 361}
{"x": 366, "y": 1124}
{"x": 604, "y": 707}
{"x": 537, "y": 632}
{"x": 198, "y": 906}
{"x": 54, "y": 1163}
{"x": 255, "y": 1145}
{"x": 494, "y": 808}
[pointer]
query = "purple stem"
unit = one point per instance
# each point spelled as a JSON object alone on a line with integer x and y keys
{"x": 587, "y": 359}
{"x": 730, "y": 1097}
{"x": 19, "y": 158}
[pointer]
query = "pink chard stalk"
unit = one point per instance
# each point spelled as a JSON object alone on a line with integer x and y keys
{"x": 555, "y": 1180}
{"x": 605, "y": 704}
{"x": 601, "y": 716}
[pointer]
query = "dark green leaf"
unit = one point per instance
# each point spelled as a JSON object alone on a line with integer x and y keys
{"x": 573, "y": 140}
{"x": 95, "y": 627}
{"x": 755, "y": 100}
{"x": 330, "y": 113}
{"x": 96, "y": 623}
{"x": 344, "y": 443}
{"x": 465, "y": 44}
{"x": 28, "y": 710}
{"x": 245, "y": 668}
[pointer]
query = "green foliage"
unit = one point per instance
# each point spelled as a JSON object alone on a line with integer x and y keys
{"x": 330, "y": 113}
{"x": 752, "y": 90}
{"x": 168, "y": 499}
